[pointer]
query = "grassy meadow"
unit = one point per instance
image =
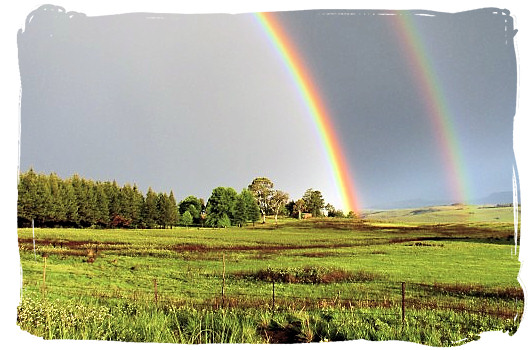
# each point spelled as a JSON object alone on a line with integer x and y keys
{"x": 321, "y": 279}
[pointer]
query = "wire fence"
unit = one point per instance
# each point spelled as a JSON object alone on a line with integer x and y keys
{"x": 392, "y": 299}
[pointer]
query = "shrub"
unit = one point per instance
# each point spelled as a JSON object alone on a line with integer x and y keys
{"x": 309, "y": 275}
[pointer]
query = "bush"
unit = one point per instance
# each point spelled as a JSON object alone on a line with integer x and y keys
{"x": 309, "y": 275}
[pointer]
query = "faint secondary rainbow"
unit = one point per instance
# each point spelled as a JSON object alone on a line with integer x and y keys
{"x": 342, "y": 175}
{"x": 432, "y": 95}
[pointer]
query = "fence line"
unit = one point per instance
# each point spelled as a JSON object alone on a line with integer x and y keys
{"x": 402, "y": 299}
{"x": 280, "y": 301}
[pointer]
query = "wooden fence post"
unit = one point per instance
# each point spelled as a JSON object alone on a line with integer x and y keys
{"x": 223, "y": 285}
{"x": 273, "y": 295}
{"x": 403, "y": 302}
{"x": 33, "y": 231}
{"x": 44, "y": 256}
{"x": 156, "y": 293}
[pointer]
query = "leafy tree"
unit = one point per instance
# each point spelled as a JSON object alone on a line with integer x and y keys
{"x": 220, "y": 207}
{"x": 186, "y": 219}
{"x": 289, "y": 208}
{"x": 262, "y": 189}
{"x": 333, "y": 212}
{"x": 193, "y": 205}
{"x": 299, "y": 207}
{"x": 278, "y": 201}
{"x": 330, "y": 209}
{"x": 245, "y": 208}
{"x": 313, "y": 202}
{"x": 352, "y": 215}
{"x": 339, "y": 213}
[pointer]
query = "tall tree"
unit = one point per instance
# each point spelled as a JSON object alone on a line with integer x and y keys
{"x": 164, "y": 209}
{"x": 245, "y": 208}
{"x": 138, "y": 203}
{"x": 174, "y": 211}
{"x": 330, "y": 210}
{"x": 149, "y": 211}
{"x": 240, "y": 213}
{"x": 57, "y": 208}
{"x": 112, "y": 191}
{"x": 252, "y": 210}
{"x": 278, "y": 201}
{"x": 299, "y": 207}
{"x": 102, "y": 206}
{"x": 69, "y": 202}
{"x": 193, "y": 205}
{"x": 220, "y": 207}
{"x": 82, "y": 200}
{"x": 130, "y": 204}
{"x": 313, "y": 201}
{"x": 92, "y": 205}
{"x": 186, "y": 219}
{"x": 262, "y": 189}
{"x": 34, "y": 198}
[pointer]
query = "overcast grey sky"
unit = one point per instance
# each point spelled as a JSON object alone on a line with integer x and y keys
{"x": 192, "y": 102}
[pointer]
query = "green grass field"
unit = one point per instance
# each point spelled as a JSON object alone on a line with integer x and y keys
{"x": 335, "y": 279}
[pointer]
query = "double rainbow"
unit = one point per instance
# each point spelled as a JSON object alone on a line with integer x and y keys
{"x": 342, "y": 174}
{"x": 431, "y": 93}
{"x": 428, "y": 87}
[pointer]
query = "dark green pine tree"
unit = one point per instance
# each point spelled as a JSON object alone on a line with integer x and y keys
{"x": 35, "y": 199}
{"x": 102, "y": 206}
{"x": 57, "y": 208}
{"x": 164, "y": 209}
{"x": 252, "y": 210}
{"x": 112, "y": 192}
{"x": 26, "y": 203}
{"x": 91, "y": 206}
{"x": 149, "y": 210}
{"x": 81, "y": 199}
{"x": 240, "y": 212}
{"x": 138, "y": 203}
{"x": 69, "y": 202}
{"x": 129, "y": 211}
{"x": 174, "y": 211}
{"x": 43, "y": 198}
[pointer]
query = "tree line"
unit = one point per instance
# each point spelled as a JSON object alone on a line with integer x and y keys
{"x": 51, "y": 201}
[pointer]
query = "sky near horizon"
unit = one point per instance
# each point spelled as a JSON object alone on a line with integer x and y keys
{"x": 191, "y": 102}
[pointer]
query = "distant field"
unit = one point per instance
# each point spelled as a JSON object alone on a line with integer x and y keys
{"x": 460, "y": 279}
{"x": 446, "y": 214}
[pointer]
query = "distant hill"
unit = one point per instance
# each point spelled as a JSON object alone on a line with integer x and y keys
{"x": 410, "y": 203}
{"x": 494, "y": 198}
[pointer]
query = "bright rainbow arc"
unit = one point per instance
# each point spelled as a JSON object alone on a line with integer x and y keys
{"x": 432, "y": 94}
{"x": 311, "y": 97}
